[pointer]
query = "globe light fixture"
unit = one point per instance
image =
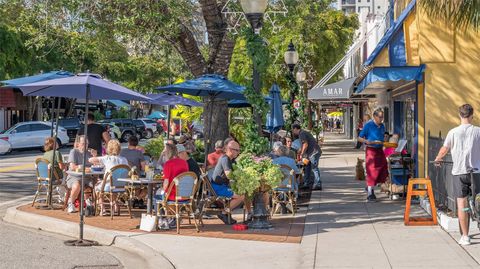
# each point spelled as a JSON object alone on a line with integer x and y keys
{"x": 301, "y": 76}
{"x": 291, "y": 57}
{"x": 254, "y": 10}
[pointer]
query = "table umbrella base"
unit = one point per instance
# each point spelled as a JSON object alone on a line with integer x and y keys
{"x": 81, "y": 243}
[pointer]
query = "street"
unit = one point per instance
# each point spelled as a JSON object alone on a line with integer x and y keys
{"x": 39, "y": 249}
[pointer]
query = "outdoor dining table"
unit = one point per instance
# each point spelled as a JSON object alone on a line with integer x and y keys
{"x": 150, "y": 183}
{"x": 91, "y": 173}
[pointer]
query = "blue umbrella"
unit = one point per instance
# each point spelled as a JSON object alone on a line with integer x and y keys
{"x": 168, "y": 98}
{"x": 211, "y": 85}
{"x": 275, "y": 115}
{"x": 37, "y": 78}
{"x": 244, "y": 103}
{"x": 157, "y": 115}
{"x": 88, "y": 86}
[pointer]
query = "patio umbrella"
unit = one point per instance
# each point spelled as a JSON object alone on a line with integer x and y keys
{"x": 244, "y": 103}
{"x": 211, "y": 86}
{"x": 12, "y": 83}
{"x": 335, "y": 114}
{"x": 157, "y": 115}
{"x": 169, "y": 99}
{"x": 275, "y": 115}
{"x": 88, "y": 86}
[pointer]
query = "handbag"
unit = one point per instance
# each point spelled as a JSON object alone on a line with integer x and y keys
{"x": 148, "y": 222}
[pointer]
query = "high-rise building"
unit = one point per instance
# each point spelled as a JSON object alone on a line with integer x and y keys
{"x": 366, "y": 7}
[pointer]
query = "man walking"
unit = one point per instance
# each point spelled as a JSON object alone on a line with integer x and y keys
{"x": 311, "y": 150}
{"x": 96, "y": 133}
{"x": 463, "y": 141}
{"x": 375, "y": 162}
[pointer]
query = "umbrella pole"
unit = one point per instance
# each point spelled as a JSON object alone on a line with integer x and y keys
{"x": 53, "y": 114}
{"x": 207, "y": 139}
{"x": 80, "y": 241}
{"x": 168, "y": 121}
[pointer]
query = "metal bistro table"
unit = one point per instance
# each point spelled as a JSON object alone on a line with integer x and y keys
{"x": 150, "y": 183}
{"x": 91, "y": 173}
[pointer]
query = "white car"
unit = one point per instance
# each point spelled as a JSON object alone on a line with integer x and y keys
{"x": 32, "y": 134}
{"x": 5, "y": 147}
{"x": 151, "y": 126}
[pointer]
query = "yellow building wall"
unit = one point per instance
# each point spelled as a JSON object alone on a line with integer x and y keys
{"x": 452, "y": 59}
{"x": 382, "y": 59}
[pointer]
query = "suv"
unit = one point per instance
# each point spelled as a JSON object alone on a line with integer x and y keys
{"x": 126, "y": 127}
{"x": 151, "y": 126}
{"x": 72, "y": 125}
{"x": 32, "y": 134}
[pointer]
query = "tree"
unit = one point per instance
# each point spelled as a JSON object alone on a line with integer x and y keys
{"x": 459, "y": 13}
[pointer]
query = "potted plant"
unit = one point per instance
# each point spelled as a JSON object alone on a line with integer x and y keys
{"x": 253, "y": 176}
{"x": 154, "y": 147}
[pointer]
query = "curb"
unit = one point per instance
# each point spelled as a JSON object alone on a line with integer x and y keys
{"x": 121, "y": 240}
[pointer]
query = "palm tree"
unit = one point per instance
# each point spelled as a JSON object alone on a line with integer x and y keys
{"x": 459, "y": 13}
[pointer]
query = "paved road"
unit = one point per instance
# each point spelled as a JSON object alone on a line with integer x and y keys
{"x": 26, "y": 248}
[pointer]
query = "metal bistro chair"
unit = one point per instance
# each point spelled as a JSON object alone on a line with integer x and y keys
{"x": 211, "y": 202}
{"x": 186, "y": 187}
{"x": 116, "y": 188}
{"x": 286, "y": 193}
{"x": 42, "y": 169}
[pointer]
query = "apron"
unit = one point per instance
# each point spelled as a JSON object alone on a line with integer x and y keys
{"x": 376, "y": 166}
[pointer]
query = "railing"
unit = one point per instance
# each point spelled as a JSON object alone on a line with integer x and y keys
{"x": 441, "y": 177}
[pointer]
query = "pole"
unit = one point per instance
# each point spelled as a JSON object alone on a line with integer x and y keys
{"x": 53, "y": 113}
{"x": 168, "y": 121}
{"x": 207, "y": 139}
{"x": 85, "y": 126}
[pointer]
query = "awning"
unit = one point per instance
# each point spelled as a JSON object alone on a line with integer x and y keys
{"x": 334, "y": 91}
{"x": 118, "y": 103}
{"x": 390, "y": 35}
{"x": 391, "y": 75}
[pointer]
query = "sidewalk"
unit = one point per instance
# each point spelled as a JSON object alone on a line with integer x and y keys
{"x": 341, "y": 231}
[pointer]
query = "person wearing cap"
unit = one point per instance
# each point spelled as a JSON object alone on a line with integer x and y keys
{"x": 187, "y": 142}
{"x": 213, "y": 157}
{"x": 192, "y": 164}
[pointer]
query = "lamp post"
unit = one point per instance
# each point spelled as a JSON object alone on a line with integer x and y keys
{"x": 301, "y": 76}
{"x": 291, "y": 59}
{"x": 254, "y": 10}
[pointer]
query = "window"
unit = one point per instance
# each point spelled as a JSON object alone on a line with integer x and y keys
{"x": 358, "y": 9}
{"x": 23, "y": 128}
{"x": 39, "y": 127}
{"x": 368, "y": 1}
{"x": 359, "y": 1}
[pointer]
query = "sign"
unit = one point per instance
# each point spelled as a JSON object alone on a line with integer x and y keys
{"x": 337, "y": 90}
{"x": 296, "y": 104}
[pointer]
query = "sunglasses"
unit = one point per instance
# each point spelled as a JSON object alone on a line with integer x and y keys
{"x": 236, "y": 150}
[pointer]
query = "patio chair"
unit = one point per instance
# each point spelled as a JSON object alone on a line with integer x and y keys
{"x": 42, "y": 170}
{"x": 286, "y": 193}
{"x": 211, "y": 203}
{"x": 116, "y": 189}
{"x": 183, "y": 205}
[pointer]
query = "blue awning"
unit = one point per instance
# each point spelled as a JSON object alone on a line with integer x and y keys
{"x": 390, "y": 35}
{"x": 405, "y": 73}
{"x": 118, "y": 103}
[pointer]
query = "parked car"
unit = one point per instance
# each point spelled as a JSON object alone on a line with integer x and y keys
{"x": 152, "y": 129}
{"x": 126, "y": 126}
{"x": 5, "y": 147}
{"x": 72, "y": 125}
{"x": 141, "y": 128}
{"x": 32, "y": 134}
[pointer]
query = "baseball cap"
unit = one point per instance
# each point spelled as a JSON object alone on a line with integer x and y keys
{"x": 219, "y": 144}
{"x": 180, "y": 148}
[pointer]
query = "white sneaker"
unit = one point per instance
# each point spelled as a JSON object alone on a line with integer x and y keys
{"x": 71, "y": 208}
{"x": 464, "y": 240}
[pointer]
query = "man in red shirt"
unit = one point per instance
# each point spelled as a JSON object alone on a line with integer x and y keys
{"x": 172, "y": 168}
{"x": 214, "y": 156}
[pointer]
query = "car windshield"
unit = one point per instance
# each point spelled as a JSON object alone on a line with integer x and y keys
{"x": 68, "y": 122}
{"x": 10, "y": 129}
{"x": 149, "y": 121}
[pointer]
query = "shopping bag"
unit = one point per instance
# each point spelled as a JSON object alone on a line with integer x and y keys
{"x": 148, "y": 222}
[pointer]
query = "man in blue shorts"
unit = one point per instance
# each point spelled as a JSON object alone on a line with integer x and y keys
{"x": 221, "y": 182}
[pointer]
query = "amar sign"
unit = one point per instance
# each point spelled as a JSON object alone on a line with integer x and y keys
{"x": 337, "y": 90}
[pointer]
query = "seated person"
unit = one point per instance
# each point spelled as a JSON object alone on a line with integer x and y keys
{"x": 75, "y": 160}
{"x": 110, "y": 160}
{"x": 172, "y": 168}
{"x": 213, "y": 157}
{"x": 165, "y": 155}
{"x": 48, "y": 155}
{"x": 221, "y": 182}
{"x": 275, "y": 147}
{"x": 133, "y": 155}
{"x": 282, "y": 158}
{"x": 389, "y": 151}
{"x": 287, "y": 142}
{"x": 136, "y": 160}
{"x": 192, "y": 164}
{"x": 187, "y": 141}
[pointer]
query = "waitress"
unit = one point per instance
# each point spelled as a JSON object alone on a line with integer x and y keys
{"x": 375, "y": 162}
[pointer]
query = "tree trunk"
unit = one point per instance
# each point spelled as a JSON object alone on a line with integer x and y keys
{"x": 70, "y": 104}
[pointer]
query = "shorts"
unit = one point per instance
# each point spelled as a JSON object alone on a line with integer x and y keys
{"x": 462, "y": 185}
{"x": 222, "y": 190}
{"x": 87, "y": 181}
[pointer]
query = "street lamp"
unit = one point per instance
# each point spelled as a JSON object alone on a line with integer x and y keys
{"x": 291, "y": 57}
{"x": 254, "y": 10}
{"x": 301, "y": 75}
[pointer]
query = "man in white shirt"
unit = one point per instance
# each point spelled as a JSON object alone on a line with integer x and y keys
{"x": 464, "y": 143}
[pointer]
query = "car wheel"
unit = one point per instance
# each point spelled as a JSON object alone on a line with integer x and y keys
{"x": 149, "y": 134}
{"x": 126, "y": 136}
